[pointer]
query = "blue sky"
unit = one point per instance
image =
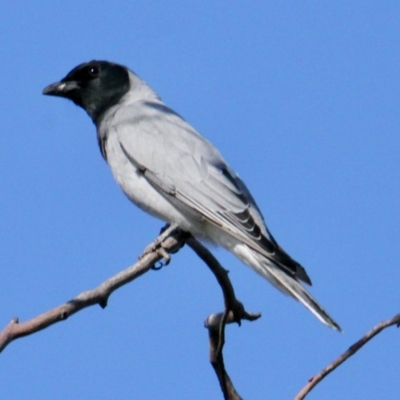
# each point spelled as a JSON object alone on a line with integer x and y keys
{"x": 302, "y": 99}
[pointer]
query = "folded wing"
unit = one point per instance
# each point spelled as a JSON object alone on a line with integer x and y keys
{"x": 188, "y": 170}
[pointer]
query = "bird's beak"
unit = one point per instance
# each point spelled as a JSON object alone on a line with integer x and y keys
{"x": 61, "y": 89}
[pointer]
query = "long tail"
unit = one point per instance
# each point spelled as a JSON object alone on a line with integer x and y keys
{"x": 287, "y": 284}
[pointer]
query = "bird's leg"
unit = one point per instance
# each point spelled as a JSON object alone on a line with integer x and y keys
{"x": 157, "y": 245}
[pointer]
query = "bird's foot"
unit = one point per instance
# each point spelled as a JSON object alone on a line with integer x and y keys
{"x": 165, "y": 260}
{"x": 165, "y": 231}
{"x": 157, "y": 247}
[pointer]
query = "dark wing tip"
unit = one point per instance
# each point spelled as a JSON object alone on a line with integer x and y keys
{"x": 302, "y": 275}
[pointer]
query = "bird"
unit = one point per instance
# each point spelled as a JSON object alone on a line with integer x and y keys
{"x": 165, "y": 167}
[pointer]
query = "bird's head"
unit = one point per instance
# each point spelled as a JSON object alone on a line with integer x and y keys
{"x": 95, "y": 86}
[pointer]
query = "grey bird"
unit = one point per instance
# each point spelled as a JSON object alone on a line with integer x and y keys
{"x": 170, "y": 171}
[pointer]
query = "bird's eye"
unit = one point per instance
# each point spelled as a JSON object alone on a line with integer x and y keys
{"x": 93, "y": 71}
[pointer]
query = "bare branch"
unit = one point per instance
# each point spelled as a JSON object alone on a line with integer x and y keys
{"x": 215, "y": 323}
{"x": 170, "y": 241}
{"x": 343, "y": 357}
{"x": 221, "y": 274}
{"x": 99, "y": 295}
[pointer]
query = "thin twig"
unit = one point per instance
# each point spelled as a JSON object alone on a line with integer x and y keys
{"x": 170, "y": 241}
{"x": 343, "y": 357}
{"x": 221, "y": 274}
{"x": 99, "y": 295}
{"x": 215, "y": 323}
{"x": 217, "y": 362}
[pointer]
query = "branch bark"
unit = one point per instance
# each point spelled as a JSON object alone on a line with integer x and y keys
{"x": 215, "y": 323}
{"x": 347, "y": 354}
{"x": 171, "y": 243}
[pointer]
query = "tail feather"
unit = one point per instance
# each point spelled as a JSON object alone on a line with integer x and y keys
{"x": 280, "y": 278}
{"x": 290, "y": 286}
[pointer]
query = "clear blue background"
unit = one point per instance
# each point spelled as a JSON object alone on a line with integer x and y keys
{"x": 302, "y": 99}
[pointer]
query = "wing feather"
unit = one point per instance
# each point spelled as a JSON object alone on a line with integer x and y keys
{"x": 181, "y": 164}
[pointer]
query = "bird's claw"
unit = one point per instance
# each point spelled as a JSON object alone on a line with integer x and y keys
{"x": 157, "y": 244}
{"x": 165, "y": 260}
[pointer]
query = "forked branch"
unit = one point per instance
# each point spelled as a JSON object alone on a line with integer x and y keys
{"x": 169, "y": 241}
{"x": 215, "y": 323}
